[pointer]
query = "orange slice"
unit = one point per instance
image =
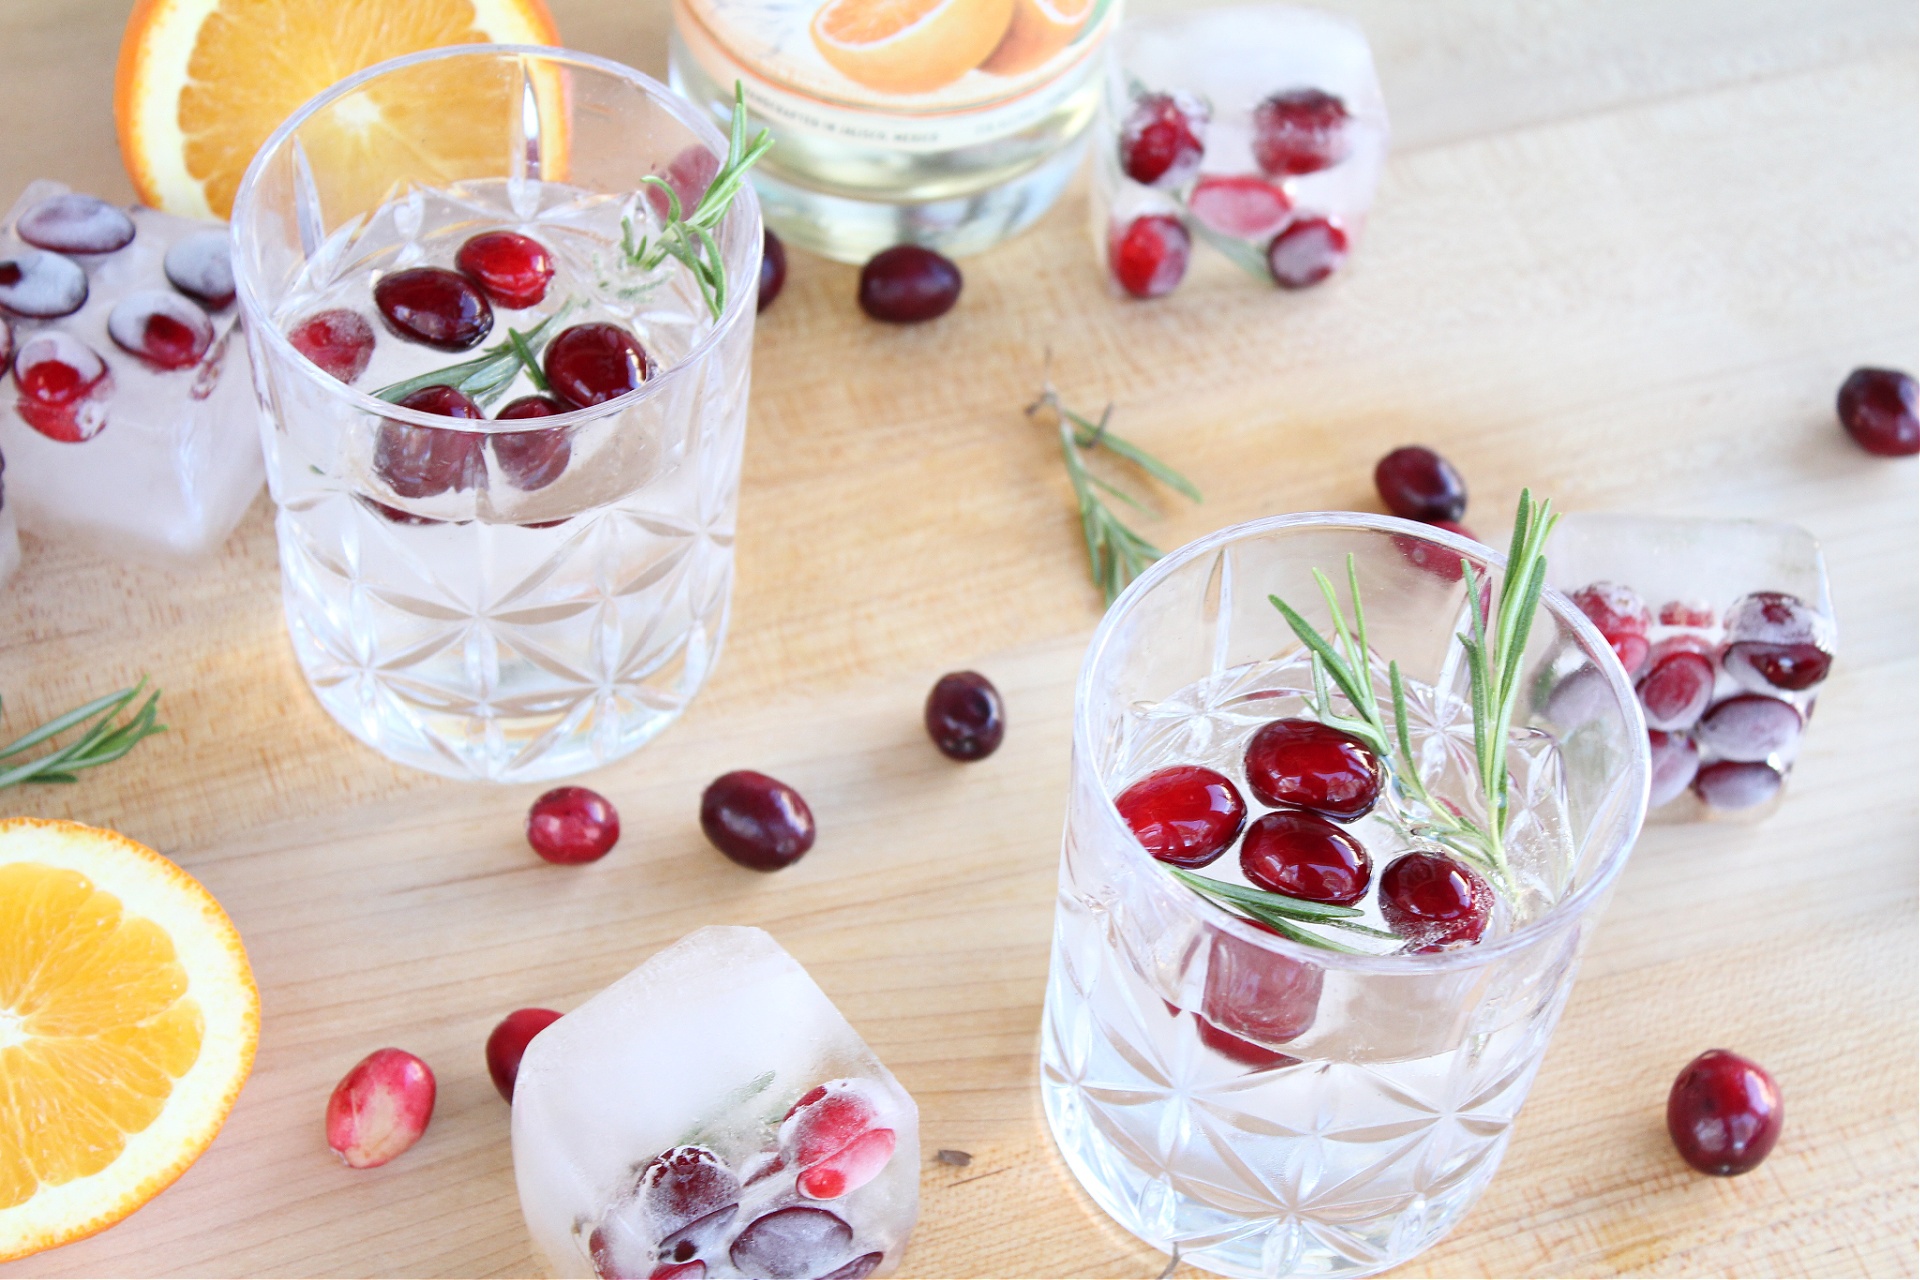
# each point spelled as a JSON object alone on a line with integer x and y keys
{"x": 1040, "y": 29}
{"x": 128, "y": 1020}
{"x": 908, "y": 46}
{"x": 201, "y": 83}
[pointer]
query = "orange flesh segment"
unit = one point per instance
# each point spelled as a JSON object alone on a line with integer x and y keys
{"x": 858, "y": 22}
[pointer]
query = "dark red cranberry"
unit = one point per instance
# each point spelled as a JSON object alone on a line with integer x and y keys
{"x": 572, "y": 825}
{"x": 1733, "y": 785}
{"x": 773, "y": 268}
{"x": 1245, "y": 1052}
{"x": 1313, "y": 766}
{"x": 1750, "y": 727}
{"x": 1675, "y": 760}
{"x": 164, "y": 329}
{"x": 41, "y": 285}
{"x": 689, "y": 173}
{"x": 859, "y": 1269}
{"x": 1149, "y": 256}
{"x": 907, "y": 284}
{"x": 1183, "y": 814}
{"x": 1676, "y": 689}
{"x": 507, "y": 1044}
{"x": 1433, "y": 901}
{"x": 1300, "y": 131}
{"x": 690, "y": 1197}
{"x": 434, "y": 306}
{"x": 1430, "y": 557}
{"x": 759, "y": 822}
{"x": 1256, "y": 994}
{"x": 964, "y": 716}
{"x": 1724, "y": 1113}
{"x": 1306, "y": 253}
{"x": 791, "y": 1244}
{"x": 1877, "y": 407}
{"x": 1418, "y": 484}
{"x": 339, "y": 341}
{"x": 201, "y": 266}
{"x": 591, "y": 364}
{"x": 1622, "y": 619}
{"x": 62, "y": 384}
{"x": 1243, "y": 206}
{"x": 511, "y": 269}
{"x": 1161, "y": 141}
{"x": 1774, "y": 641}
{"x": 532, "y": 459}
{"x": 75, "y": 223}
{"x": 1302, "y": 855}
{"x": 424, "y": 462}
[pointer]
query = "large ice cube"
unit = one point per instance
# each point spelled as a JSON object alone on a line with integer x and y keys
{"x": 712, "y": 1114}
{"x": 152, "y": 455}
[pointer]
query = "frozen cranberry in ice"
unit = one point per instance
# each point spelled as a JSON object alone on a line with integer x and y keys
{"x": 1774, "y": 641}
{"x": 338, "y": 340}
{"x": 434, "y": 306}
{"x": 1306, "y": 253}
{"x": 1149, "y": 255}
{"x": 1162, "y": 139}
{"x": 1675, "y": 761}
{"x": 6, "y": 344}
{"x": 1434, "y": 901}
{"x": 1676, "y": 689}
{"x": 532, "y": 459}
{"x": 690, "y": 1197}
{"x": 1314, "y": 766}
{"x": 75, "y": 223}
{"x": 1622, "y": 618}
{"x": 507, "y": 1044}
{"x": 773, "y": 269}
{"x": 759, "y": 822}
{"x": 907, "y": 284}
{"x": 41, "y": 285}
{"x": 511, "y": 269}
{"x": 1184, "y": 814}
{"x": 1724, "y": 1113}
{"x": 1300, "y": 131}
{"x": 1245, "y": 1052}
{"x": 1686, "y": 613}
{"x": 591, "y": 364}
{"x": 571, "y": 825}
{"x": 834, "y": 1137}
{"x": 1243, "y": 206}
{"x": 695, "y": 1270}
{"x": 164, "y": 329}
{"x": 794, "y": 1243}
{"x": 61, "y": 381}
{"x": 1418, "y": 484}
{"x": 964, "y": 716}
{"x": 1256, "y": 994}
{"x": 1877, "y": 407}
{"x": 201, "y": 266}
{"x": 689, "y": 173}
{"x": 1750, "y": 727}
{"x": 424, "y": 462}
{"x": 1302, "y": 855}
{"x": 1737, "y": 784}
{"x": 859, "y": 1269}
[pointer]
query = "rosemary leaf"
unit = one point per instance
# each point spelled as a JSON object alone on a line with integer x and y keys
{"x": 104, "y": 741}
{"x": 1278, "y": 903}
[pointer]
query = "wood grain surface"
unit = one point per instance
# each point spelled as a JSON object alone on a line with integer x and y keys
{"x": 1624, "y": 253}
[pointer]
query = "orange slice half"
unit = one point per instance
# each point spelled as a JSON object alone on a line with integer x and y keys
{"x": 1040, "y": 29}
{"x": 909, "y": 46}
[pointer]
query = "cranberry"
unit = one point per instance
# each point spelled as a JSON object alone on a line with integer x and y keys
{"x": 1313, "y": 766}
{"x": 1418, "y": 484}
{"x": 511, "y": 269}
{"x": 695, "y": 1270}
{"x": 394, "y": 515}
{"x": 791, "y": 1243}
{"x": 1242, "y": 206}
{"x": 1183, "y": 814}
{"x": 1877, "y": 407}
{"x": 1724, "y": 1113}
{"x": 690, "y": 1197}
{"x": 1161, "y": 139}
{"x": 1430, "y": 557}
{"x": 1750, "y": 727}
{"x": 380, "y": 1108}
{"x": 434, "y": 306}
{"x": 1149, "y": 257}
{"x": 1306, "y": 253}
{"x": 161, "y": 328}
{"x": 773, "y": 269}
{"x": 201, "y": 266}
{"x": 1622, "y": 618}
{"x": 859, "y": 1269}
{"x": 61, "y": 381}
{"x": 1302, "y": 855}
{"x": 689, "y": 173}
{"x": 1686, "y": 613}
{"x": 571, "y": 825}
{"x": 339, "y": 341}
{"x": 757, "y": 821}
{"x": 1300, "y": 131}
{"x": 833, "y": 1136}
{"x": 1245, "y": 1052}
{"x": 532, "y": 459}
{"x": 907, "y": 284}
{"x": 6, "y": 344}
{"x": 591, "y": 364}
{"x": 75, "y": 223}
{"x": 1433, "y": 901}
{"x": 507, "y": 1044}
{"x": 964, "y": 716}
{"x": 1737, "y": 784}
{"x": 1774, "y": 641}
{"x": 423, "y": 462}
{"x": 1676, "y": 689}
{"x": 1675, "y": 762}
{"x": 1256, "y": 994}
{"x": 41, "y": 285}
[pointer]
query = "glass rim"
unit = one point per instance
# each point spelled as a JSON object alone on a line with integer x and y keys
{"x": 1592, "y": 643}
{"x": 687, "y": 113}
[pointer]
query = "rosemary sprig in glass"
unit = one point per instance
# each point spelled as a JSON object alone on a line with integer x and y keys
{"x": 486, "y": 377}
{"x": 103, "y": 741}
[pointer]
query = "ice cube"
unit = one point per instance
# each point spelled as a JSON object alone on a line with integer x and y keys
{"x": 1288, "y": 112}
{"x": 1730, "y": 627}
{"x": 712, "y": 1114}
{"x": 130, "y": 422}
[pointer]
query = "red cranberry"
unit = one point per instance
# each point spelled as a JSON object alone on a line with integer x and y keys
{"x": 859, "y": 1269}
{"x": 1877, "y": 407}
{"x": 1675, "y": 761}
{"x": 161, "y": 328}
{"x": 757, "y": 821}
{"x": 695, "y": 1270}
{"x": 434, "y": 306}
{"x": 201, "y": 266}
{"x": 1622, "y": 619}
{"x": 1252, "y": 993}
{"x": 394, "y": 515}
{"x": 1161, "y": 139}
{"x": 1306, "y": 253}
{"x": 591, "y": 364}
{"x": 1245, "y": 1052}
{"x": 61, "y": 381}
{"x": 791, "y": 1244}
{"x": 511, "y": 269}
{"x": 1183, "y": 814}
{"x": 689, "y": 173}
{"x": 1736, "y": 784}
{"x": 75, "y": 223}
{"x": 1300, "y": 131}
{"x": 1149, "y": 257}
{"x": 1774, "y": 641}
{"x": 1433, "y": 901}
{"x": 1302, "y": 855}
{"x": 833, "y": 1135}
{"x": 424, "y": 462}
{"x": 1686, "y": 613}
{"x": 1313, "y": 766}
{"x": 1418, "y": 484}
{"x": 532, "y": 459}
{"x": 1430, "y": 557}
{"x": 690, "y": 1198}
{"x": 773, "y": 269}
{"x": 507, "y": 1044}
{"x": 1242, "y": 206}
{"x": 964, "y": 716}
{"x": 907, "y": 284}
{"x": 572, "y": 825}
{"x": 339, "y": 341}
{"x": 1676, "y": 689}
{"x": 6, "y": 346}
{"x": 1724, "y": 1113}
{"x": 1750, "y": 727}
{"x": 41, "y": 285}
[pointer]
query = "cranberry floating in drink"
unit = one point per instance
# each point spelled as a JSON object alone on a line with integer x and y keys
{"x": 1185, "y": 815}
{"x": 1314, "y": 766}
{"x": 511, "y": 269}
{"x": 1302, "y": 855}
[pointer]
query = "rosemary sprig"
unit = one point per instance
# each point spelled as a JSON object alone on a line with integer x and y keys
{"x": 487, "y": 376}
{"x": 102, "y": 742}
{"x": 689, "y": 240}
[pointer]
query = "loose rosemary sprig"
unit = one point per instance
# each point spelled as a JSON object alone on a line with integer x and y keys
{"x": 1116, "y": 555}
{"x": 102, "y": 742}
{"x": 486, "y": 377}
{"x": 689, "y": 240}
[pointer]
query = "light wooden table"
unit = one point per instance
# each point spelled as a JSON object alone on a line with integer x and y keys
{"x": 1624, "y": 253}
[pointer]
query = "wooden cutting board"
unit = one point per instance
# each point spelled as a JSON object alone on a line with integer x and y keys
{"x": 1624, "y": 253}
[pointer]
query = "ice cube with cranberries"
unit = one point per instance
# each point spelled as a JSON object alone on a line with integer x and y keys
{"x": 713, "y": 1114}
{"x": 128, "y": 417}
